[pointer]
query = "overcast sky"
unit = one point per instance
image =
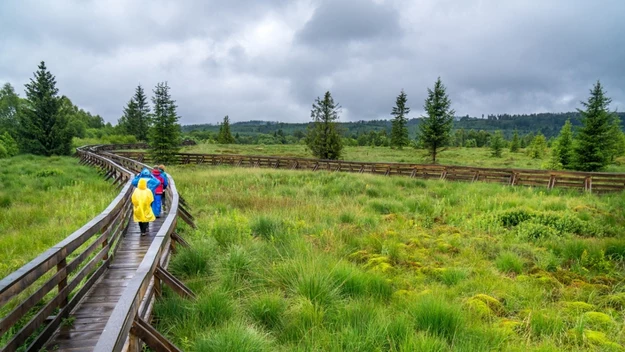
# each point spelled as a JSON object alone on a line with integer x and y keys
{"x": 269, "y": 59}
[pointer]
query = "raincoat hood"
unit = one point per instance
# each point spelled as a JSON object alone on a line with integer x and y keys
{"x": 145, "y": 172}
{"x": 156, "y": 172}
{"x": 143, "y": 183}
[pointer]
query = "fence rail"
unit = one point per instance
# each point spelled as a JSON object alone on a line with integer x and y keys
{"x": 596, "y": 182}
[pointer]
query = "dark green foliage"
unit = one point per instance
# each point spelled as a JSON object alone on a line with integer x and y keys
{"x": 593, "y": 146}
{"x": 399, "y": 131}
{"x": 538, "y": 147}
{"x": 225, "y": 136}
{"x": 616, "y": 137}
{"x": 9, "y": 105}
{"x": 323, "y": 138}
{"x": 564, "y": 146}
{"x": 9, "y": 144}
{"x": 435, "y": 126}
{"x": 136, "y": 119}
{"x": 497, "y": 144}
{"x": 164, "y": 135}
{"x": 516, "y": 143}
{"x": 43, "y": 129}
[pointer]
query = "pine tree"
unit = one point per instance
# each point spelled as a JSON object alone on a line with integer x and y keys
{"x": 224, "y": 136}
{"x": 143, "y": 118}
{"x": 9, "y": 144}
{"x": 399, "y": 131}
{"x": 593, "y": 145}
{"x": 164, "y": 135}
{"x": 128, "y": 122}
{"x": 563, "y": 147}
{"x": 497, "y": 143}
{"x": 538, "y": 146}
{"x": 43, "y": 129}
{"x": 323, "y": 138}
{"x": 435, "y": 127}
{"x": 515, "y": 144}
{"x": 136, "y": 118}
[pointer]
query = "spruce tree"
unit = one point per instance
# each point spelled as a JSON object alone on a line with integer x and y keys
{"x": 399, "y": 131}
{"x": 515, "y": 144}
{"x": 593, "y": 146}
{"x": 225, "y": 136}
{"x": 323, "y": 138}
{"x": 497, "y": 143}
{"x": 128, "y": 122}
{"x": 164, "y": 135}
{"x": 43, "y": 129}
{"x": 143, "y": 118}
{"x": 435, "y": 126}
{"x": 563, "y": 147}
{"x": 538, "y": 146}
{"x": 136, "y": 119}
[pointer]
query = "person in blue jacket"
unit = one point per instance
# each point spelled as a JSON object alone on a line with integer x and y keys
{"x": 153, "y": 182}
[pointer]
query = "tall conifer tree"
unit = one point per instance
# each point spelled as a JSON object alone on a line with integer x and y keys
{"x": 399, "y": 131}
{"x": 323, "y": 138}
{"x": 593, "y": 146}
{"x": 43, "y": 129}
{"x": 143, "y": 118}
{"x": 435, "y": 126}
{"x": 225, "y": 136}
{"x": 563, "y": 147}
{"x": 164, "y": 135}
{"x": 515, "y": 144}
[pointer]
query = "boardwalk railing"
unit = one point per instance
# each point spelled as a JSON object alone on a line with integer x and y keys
{"x": 598, "y": 182}
{"x": 39, "y": 295}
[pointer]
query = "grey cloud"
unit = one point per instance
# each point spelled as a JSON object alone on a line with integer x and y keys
{"x": 270, "y": 59}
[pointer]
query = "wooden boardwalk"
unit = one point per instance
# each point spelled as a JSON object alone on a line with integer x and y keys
{"x": 87, "y": 320}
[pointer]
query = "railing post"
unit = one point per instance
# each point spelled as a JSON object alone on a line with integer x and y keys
{"x": 134, "y": 343}
{"x": 63, "y": 283}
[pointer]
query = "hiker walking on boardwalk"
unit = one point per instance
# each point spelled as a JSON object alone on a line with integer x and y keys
{"x": 142, "y": 199}
{"x": 158, "y": 191}
{"x": 152, "y": 182}
{"x": 161, "y": 167}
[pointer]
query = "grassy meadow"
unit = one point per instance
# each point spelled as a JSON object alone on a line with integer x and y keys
{"x": 302, "y": 261}
{"x": 449, "y": 156}
{"x": 42, "y": 201}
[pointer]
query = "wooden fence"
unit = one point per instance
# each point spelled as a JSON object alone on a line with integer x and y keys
{"x": 597, "y": 182}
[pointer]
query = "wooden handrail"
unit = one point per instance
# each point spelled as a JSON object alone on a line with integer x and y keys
{"x": 104, "y": 232}
{"x": 106, "y": 227}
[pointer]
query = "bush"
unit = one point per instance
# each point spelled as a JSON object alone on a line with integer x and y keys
{"x": 510, "y": 218}
{"x": 532, "y": 231}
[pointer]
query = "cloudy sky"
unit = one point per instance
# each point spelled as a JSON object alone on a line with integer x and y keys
{"x": 269, "y": 59}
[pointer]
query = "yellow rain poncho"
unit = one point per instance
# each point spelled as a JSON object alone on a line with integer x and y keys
{"x": 142, "y": 199}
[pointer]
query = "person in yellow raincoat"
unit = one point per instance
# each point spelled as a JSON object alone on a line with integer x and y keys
{"x": 142, "y": 199}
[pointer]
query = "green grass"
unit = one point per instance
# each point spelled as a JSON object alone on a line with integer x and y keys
{"x": 42, "y": 201}
{"x": 303, "y": 261}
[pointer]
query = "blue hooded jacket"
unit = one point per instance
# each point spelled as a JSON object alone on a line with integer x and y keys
{"x": 153, "y": 182}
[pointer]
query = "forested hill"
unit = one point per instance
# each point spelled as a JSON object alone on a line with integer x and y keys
{"x": 548, "y": 124}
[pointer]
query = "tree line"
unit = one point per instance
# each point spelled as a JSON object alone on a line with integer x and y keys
{"x": 597, "y": 142}
{"x": 44, "y": 122}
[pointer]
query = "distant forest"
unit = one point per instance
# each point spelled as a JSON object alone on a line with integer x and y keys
{"x": 376, "y": 131}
